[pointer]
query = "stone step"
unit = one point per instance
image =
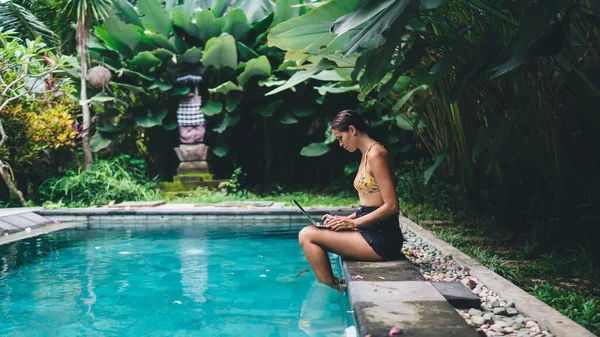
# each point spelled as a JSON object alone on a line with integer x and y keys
{"x": 394, "y": 294}
{"x": 458, "y": 295}
{"x": 191, "y": 179}
{"x": 178, "y": 186}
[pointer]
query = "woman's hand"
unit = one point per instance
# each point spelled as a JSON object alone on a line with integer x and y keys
{"x": 337, "y": 223}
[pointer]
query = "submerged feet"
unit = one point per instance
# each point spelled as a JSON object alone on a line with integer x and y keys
{"x": 339, "y": 284}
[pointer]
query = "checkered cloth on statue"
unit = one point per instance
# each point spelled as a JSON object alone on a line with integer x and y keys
{"x": 190, "y": 111}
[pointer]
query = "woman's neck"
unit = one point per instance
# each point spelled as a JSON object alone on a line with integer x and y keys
{"x": 364, "y": 142}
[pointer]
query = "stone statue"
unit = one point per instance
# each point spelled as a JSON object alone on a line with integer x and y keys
{"x": 192, "y": 127}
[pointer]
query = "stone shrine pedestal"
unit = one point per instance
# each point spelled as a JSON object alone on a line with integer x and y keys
{"x": 192, "y": 158}
{"x": 193, "y": 170}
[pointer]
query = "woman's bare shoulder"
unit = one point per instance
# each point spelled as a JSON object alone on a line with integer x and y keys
{"x": 378, "y": 152}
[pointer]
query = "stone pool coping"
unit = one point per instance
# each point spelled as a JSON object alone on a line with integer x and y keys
{"x": 388, "y": 294}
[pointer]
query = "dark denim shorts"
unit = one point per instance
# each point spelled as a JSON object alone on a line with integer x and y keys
{"x": 385, "y": 236}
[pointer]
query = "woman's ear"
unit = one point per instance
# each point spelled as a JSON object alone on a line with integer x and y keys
{"x": 352, "y": 130}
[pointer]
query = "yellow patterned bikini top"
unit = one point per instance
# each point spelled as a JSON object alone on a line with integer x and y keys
{"x": 364, "y": 183}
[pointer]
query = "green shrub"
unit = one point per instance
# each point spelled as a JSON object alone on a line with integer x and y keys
{"x": 120, "y": 179}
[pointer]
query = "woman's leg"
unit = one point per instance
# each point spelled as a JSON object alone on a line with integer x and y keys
{"x": 316, "y": 242}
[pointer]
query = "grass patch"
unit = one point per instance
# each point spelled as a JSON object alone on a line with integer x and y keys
{"x": 582, "y": 309}
{"x": 305, "y": 198}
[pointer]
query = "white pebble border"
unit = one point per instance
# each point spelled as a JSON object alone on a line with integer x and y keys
{"x": 496, "y": 317}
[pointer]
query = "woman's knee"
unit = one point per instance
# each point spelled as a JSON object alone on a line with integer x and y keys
{"x": 307, "y": 234}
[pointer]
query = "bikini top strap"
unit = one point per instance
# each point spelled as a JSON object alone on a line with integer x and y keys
{"x": 366, "y": 156}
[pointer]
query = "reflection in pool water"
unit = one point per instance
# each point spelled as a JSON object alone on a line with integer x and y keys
{"x": 219, "y": 279}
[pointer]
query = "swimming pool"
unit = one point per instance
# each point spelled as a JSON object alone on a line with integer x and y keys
{"x": 184, "y": 279}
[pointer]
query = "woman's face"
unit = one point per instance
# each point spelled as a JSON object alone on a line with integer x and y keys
{"x": 346, "y": 139}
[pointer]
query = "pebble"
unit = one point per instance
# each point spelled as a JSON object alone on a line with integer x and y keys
{"x": 496, "y": 316}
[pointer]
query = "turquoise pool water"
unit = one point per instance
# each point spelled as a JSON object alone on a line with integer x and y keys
{"x": 211, "y": 279}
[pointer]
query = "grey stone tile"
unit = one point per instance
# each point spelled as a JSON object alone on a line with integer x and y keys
{"x": 414, "y": 306}
{"x": 402, "y": 270}
{"x": 458, "y": 295}
{"x": 8, "y": 228}
{"x": 38, "y": 219}
{"x": 17, "y": 220}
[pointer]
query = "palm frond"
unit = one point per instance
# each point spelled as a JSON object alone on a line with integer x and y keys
{"x": 22, "y": 20}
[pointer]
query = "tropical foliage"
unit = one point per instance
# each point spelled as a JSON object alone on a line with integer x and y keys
{"x": 32, "y": 94}
{"x": 147, "y": 47}
{"x": 502, "y": 93}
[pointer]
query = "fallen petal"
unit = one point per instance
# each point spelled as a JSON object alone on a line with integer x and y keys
{"x": 395, "y": 331}
{"x": 357, "y": 277}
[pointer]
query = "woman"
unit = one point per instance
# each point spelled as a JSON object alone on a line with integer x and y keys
{"x": 373, "y": 232}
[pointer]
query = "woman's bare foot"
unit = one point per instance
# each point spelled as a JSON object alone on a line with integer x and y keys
{"x": 338, "y": 284}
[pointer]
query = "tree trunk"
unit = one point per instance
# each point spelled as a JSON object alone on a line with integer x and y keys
{"x": 4, "y": 168}
{"x": 4, "y": 172}
{"x": 85, "y": 107}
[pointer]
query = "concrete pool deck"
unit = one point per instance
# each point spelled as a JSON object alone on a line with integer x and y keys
{"x": 382, "y": 294}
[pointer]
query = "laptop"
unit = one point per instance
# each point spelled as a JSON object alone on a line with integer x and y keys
{"x": 316, "y": 223}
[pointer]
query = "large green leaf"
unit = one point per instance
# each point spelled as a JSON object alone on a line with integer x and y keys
{"x": 246, "y": 53}
{"x": 228, "y": 120}
{"x": 236, "y": 24}
{"x": 145, "y": 60}
{"x": 403, "y": 64}
{"x": 151, "y": 118}
{"x": 161, "y": 41}
{"x": 163, "y": 54}
{"x": 233, "y": 99}
{"x": 191, "y": 56}
{"x": 181, "y": 19}
{"x": 256, "y": 10}
{"x": 156, "y": 18}
{"x": 134, "y": 89}
{"x": 366, "y": 12}
{"x": 285, "y": 10}
{"x": 220, "y": 151}
{"x": 309, "y": 33}
{"x": 408, "y": 123}
{"x": 128, "y": 11}
{"x": 302, "y": 112}
{"x": 225, "y": 88}
{"x": 335, "y": 89}
{"x": 117, "y": 35}
{"x": 314, "y": 150}
{"x": 219, "y": 7}
{"x": 438, "y": 161}
{"x": 288, "y": 118}
{"x": 99, "y": 98}
{"x": 328, "y": 76}
{"x": 98, "y": 142}
{"x": 221, "y": 53}
{"x": 213, "y": 108}
{"x": 407, "y": 96}
{"x": 371, "y": 36}
{"x": 207, "y": 25}
{"x": 268, "y": 109}
{"x": 256, "y": 67}
{"x": 539, "y": 18}
{"x": 161, "y": 85}
{"x": 430, "y": 4}
{"x": 302, "y": 76}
